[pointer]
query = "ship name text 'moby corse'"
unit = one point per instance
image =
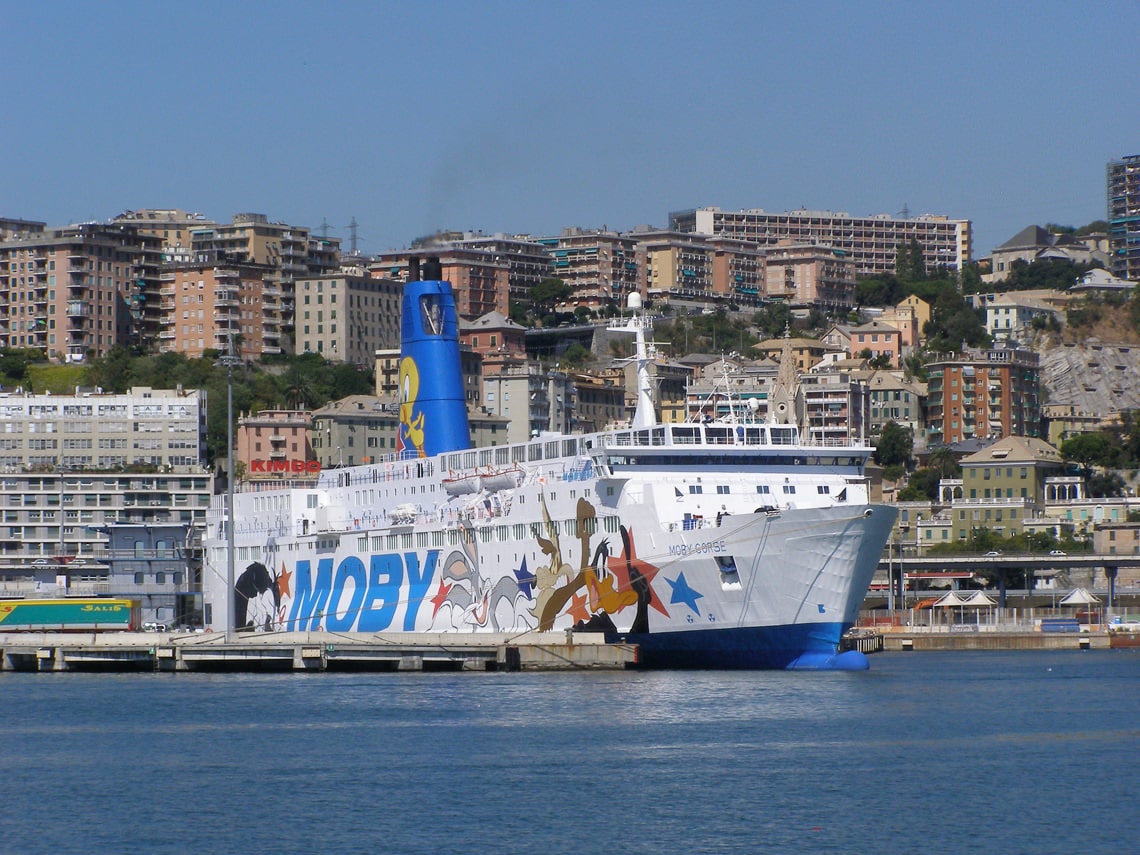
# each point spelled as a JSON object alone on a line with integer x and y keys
{"x": 724, "y": 543}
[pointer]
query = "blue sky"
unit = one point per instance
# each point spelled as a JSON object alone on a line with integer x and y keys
{"x": 529, "y": 117}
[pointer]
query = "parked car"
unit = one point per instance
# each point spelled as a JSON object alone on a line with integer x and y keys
{"x": 992, "y": 553}
{"x": 1056, "y": 552}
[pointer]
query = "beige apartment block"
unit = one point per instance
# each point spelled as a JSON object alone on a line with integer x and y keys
{"x": 599, "y": 265}
{"x": 697, "y": 267}
{"x": 810, "y": 275}
{"x": 347, "y": 316}
{"x": 204, "y": 304}
{"x": 74, "y": 292}
{"x": 870, "y": 242}
{"x": 174, "y": 227}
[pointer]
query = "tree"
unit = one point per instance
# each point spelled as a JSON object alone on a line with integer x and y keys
{"x": 1087, "y": 449}
{"x": 879, "y": 291}
{"x": 547, "y": 294}
{"x": 896, "y": 443}
{"x": 1106, "y": 485}
{"x": 945, "y": 463}
{"x": 922, "y": 486}
{"x": 576, "y": 355}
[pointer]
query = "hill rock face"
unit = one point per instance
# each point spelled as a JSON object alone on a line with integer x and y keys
{"x": 1093, "y": 377}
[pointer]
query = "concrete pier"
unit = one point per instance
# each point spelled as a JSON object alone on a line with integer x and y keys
{"x": 311, "y": 651}
{"x": 995, "y": 641}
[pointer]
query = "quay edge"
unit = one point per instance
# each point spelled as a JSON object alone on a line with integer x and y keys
{"x": 312, "y": 651}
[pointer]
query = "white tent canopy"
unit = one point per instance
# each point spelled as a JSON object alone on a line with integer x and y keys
{"x": 952, "y": 598}
{"x": 1078, "y": 597}
{"x": 980, "y": 599}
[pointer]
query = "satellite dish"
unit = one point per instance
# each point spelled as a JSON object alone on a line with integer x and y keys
{"x": 634, "y": 301}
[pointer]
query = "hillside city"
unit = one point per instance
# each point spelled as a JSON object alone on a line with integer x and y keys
{"x": 998, "y": 391}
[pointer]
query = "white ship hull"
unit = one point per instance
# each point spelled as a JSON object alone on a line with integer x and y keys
{"x": 705, "y": 547}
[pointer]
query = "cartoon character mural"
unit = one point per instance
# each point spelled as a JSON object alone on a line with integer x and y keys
{"x": 601, "y": 586}
{"x": 411, "y": 430}
{"x": 257, "y": 599}
{"x": 465, "y": 599}
{"x": 591, "y": 592}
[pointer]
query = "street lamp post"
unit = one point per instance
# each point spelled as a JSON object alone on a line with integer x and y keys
{"x": 229, "y": 360}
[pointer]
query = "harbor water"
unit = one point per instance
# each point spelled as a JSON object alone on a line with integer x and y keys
{"x": 1020, "y": 752}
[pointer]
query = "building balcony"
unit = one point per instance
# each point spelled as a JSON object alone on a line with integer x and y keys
{"x": 78, "y": 310}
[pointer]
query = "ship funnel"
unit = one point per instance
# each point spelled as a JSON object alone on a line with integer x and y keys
{"x": 433, "y": 410}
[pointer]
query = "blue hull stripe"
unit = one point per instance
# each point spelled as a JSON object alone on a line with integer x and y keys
{"x": 792, "y": 647}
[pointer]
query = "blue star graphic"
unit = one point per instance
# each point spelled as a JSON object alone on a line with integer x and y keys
{"x": 525, "y": 580}
{"x": 682, "y": 593}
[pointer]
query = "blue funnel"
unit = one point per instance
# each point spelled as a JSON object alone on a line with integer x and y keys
{"x": 433, "y": 410}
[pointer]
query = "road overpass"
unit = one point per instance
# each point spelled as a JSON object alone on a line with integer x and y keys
{"x": 902, "y": 571}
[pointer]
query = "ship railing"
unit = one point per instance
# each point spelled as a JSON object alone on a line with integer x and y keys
{"x": 720, "y": 434}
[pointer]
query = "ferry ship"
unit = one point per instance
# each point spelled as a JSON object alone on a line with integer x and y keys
{"x": 723, "y": 543}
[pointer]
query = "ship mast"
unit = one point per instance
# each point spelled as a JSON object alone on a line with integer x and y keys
{"x": 638, "y": 323}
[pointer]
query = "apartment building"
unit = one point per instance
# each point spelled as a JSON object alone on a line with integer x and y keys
{"x": 347, "y": 316}
{"x": 599, "y": 266}
{"x": 77, "y": 291}
{"x": 810, "y": 275}
{"x": 1034, "y": 243}
{"x": 274, "y": 445}
{"x": 991, "y": 393}
{"x": 12, "y": 228}
{"x": 1124, "y": 217}
{"x": 698, "y": 267}
{"x": 72, "y": 463}
{"x": 527, "y": 261}
{"x": 479, "y": 278}
{"x": 491, "y": 334}
{"x": 878, "y": 339}
{"x": 205, "y": 302}
{"x": 354, "y": 430}
{"x": 870, "y": 242}
{"x": 909, "y": 317}
{"x": 528, "y": 397}
{"x": 173, "y": 227}
{"x": 835, "y": 406}
{"x": 600, "y": 403}
{"x": 895, "y": 399}
{"x": 291, "y": 251}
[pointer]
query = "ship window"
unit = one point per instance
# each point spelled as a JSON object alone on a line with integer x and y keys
{"x": 695, "y": 488}
{"x": 729, "y": 576}
{"x": 789, "y": 490}
{"x": 763, "y": 489}
{"x": 431, "y": 318}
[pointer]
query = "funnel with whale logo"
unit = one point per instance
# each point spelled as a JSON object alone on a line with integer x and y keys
{"x": 433, "y": 410}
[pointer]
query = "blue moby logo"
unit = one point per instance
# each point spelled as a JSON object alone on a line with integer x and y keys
{"x": 376, "y": 591}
